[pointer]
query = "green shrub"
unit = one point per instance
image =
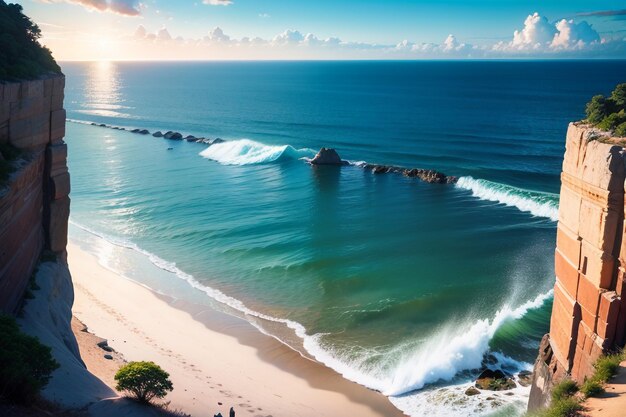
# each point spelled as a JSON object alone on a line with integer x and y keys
{"x": 21, "y": 55}
{"x": 25, "y": 364}
{"x": 619, "y": 96}
{"x": 612, "y": 121}
{"x": 568, "y": 407}
{"x": 564, "y": 389}
{"x": 591, "y": 388}
{"x": 143, "y": 380}
{"x": 607, "y": 366}
{"x": 597, "y": 109}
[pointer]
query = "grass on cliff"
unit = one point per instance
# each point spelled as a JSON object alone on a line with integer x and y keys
{"x": 566, "y": 402}
{"x": 609, "y": 113}
{"x": 21, "y": 54}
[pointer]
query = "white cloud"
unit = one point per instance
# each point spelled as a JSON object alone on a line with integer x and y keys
{"x": 573, "y": 35}
{"x": 264, "y": 15}
{"x": 541, "y": 36}
{"x": 288, "y": 37}
{"x": 140, "y": 32}
{"x": 164, "y": 35}
{"x": 217, "y": 2}
{"x": 217, "y": 35}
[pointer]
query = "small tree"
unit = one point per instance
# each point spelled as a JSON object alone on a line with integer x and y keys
{"x": 619, "y": 96}
{"x": 597, "y": 109}
{"x": 143, "y": 380}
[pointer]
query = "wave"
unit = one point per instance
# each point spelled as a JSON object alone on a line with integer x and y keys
{"x": 535, "y": 202}
{"x": 249, "y": 152}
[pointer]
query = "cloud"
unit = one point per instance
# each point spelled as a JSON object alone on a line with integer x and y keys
{"x": 540, "y": 36}
{"x": 217, "y": 35}
{"x": 573, "y": 35}
{"x": 163, "y": 35}
{"x": 621, "y": 12}
{"x": 218, "y": 2}
{"x": 123, "y": 7}
{"x": 264, "y": 15}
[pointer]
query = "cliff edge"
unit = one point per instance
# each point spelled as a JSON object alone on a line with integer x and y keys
{"x": 588, "y": 314}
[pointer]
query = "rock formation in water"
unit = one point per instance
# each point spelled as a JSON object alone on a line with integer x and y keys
{"x": 327, "y": 156}
{"x": 589, "y": 312}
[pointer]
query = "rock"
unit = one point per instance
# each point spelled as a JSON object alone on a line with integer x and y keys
{"x": 109, "y": 357}
{"x": 327, "y": 156}
{"x": 135, "y": 131}
{"x": 102, "y": 125}
{"x": 94, "y": 124}
{"x": 471, "y": 391}
{"x": 494, "y": 380}
{"x": 173, "y": 135}
{"x": 144, "y": 132}
{"x": 216, "y": 140}
{"x": 525, "y": 378}
{"x": 169, "y": 149}
{"x": 157, "y": 134}
{"x": 188, "y": 137}
{"x": 104, "y": 345}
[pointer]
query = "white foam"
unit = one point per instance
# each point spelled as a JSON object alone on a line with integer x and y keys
{"x": 249, "y": 152}
{"x": 535, "y": 202}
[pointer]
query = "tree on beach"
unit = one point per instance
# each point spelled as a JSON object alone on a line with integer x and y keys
{"x": 143, "y": 380}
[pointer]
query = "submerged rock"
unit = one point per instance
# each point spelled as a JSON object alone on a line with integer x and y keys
{"x": 157, "y": 134}
{"x": 494, "y": 380}
{"x": 471, "y": 391}
{"x": 327, "y": 156}
{"x": 144, "y": 132}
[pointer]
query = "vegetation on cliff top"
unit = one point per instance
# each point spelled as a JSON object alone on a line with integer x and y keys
{"x": 21, "y": 55}
{"x": 609, "y": 113}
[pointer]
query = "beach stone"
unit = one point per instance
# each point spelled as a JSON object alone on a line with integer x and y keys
{"x": 471, "y": 391}
{"x": 494, "y": 380}
{"x": 135, "y": 130}
{"x": 109, "y": 357}
{"x": 157, "y": 134}
{"x": 173, "y": 135}
{"x": 525, "y": 378}
{"x": 144, "y": 132}
{"x": 327, "y": 156}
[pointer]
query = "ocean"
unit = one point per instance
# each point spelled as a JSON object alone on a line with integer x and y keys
{"x": 402, "y": 286}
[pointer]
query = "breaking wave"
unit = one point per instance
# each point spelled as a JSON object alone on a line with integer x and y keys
{"x": 535, "y": 202}
{"x": 249, "y": 152}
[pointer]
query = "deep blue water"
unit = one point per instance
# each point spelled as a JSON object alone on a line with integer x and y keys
{"x": 402, "y": 286}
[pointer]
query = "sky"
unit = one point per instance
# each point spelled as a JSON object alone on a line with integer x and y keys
{"x": 330, "y": 29}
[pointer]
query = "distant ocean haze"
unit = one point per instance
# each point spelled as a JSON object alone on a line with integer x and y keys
{"x": 402, "y": 286}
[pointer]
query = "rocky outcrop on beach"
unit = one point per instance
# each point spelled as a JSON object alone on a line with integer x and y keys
{"x": 327, "y": 156}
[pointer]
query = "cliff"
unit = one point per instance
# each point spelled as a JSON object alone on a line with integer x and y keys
{"x": 34, "y": 202}
{"x": 588, "y": 314}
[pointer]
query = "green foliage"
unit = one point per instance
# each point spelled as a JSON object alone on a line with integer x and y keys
{"x": 591, "y": 388}
{"x": 620, "y": 131}
{"x": 564, "y": 389}
{"x": 619, "y": 95}
{"x": 612, "y": 121}
{"x": 609, "y": 113}
{"x": 143, "y": 380}
{"x": 597, "y": 109}
{"x": 607, "y": 366}
{"x": 567, "y": 407}
{"x": 21, "y": 55}
{"x": 25, "y": 364}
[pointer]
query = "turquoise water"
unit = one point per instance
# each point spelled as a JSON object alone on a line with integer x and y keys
{"x": 402, "y": 286}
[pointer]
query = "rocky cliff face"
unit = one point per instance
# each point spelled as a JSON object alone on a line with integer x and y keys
{"x": 588, "y": 315}
{"x": 34, "y": 203}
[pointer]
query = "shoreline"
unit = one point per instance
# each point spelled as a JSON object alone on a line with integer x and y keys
{"x": 212, "y": 357}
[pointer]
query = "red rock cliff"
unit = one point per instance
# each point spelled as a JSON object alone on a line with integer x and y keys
{"x": 588, "y": 315}
{"x": 34, "y": 204}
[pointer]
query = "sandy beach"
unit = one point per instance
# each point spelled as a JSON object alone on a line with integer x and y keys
{"x": 215, "y": 361}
